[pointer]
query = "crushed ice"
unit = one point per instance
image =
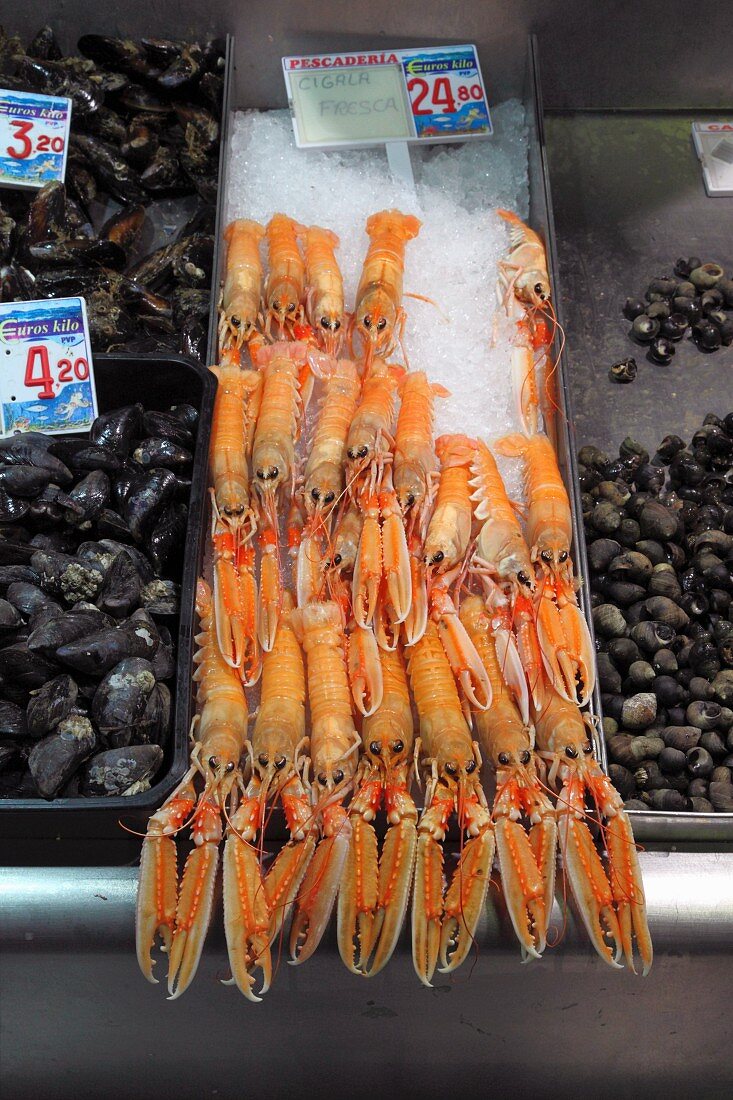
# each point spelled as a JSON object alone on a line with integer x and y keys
{"x": 453, "y": 261}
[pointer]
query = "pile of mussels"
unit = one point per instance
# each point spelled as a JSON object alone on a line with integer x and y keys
{"x": 91, "y": 543}
{"x": 660, "y": 550}
{"x": 142, "y": 169}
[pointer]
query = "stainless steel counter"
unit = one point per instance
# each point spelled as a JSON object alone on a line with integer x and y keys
{"x": 76, "y": 1014}
{"x": 566, "y": 1025}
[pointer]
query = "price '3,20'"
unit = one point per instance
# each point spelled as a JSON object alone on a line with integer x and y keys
{"x": 26, "y": 143}
{"x": 38, "y": 371}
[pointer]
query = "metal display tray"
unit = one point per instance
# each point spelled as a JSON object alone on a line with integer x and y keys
{"x": 157, "y": 382}
{"x": 629, "y": 198}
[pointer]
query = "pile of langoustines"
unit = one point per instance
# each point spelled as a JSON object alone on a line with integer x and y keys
{"x": 428, "y": 629}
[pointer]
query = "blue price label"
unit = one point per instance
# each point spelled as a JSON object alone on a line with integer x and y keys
{"x": 46, "y": 369}
{"x": 446, "y": 92}
{"x": 34, "y": 138}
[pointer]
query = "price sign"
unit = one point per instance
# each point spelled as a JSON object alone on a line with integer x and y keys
{"x": 352, "y": 99}
{"x": 34, "y": 138}
{"x": 46, "y": 370}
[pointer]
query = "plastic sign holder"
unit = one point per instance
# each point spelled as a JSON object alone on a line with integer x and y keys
{"x": 46, "y": 369}
{"x": 713, "y": 143}
{"x": 34, "y": 138}
{"x": 392, "y": 98}
{"x": 352, "y": 99}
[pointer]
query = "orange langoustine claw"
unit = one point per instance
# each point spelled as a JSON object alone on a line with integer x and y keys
{"x": 524, "y": 817}
{"x": 256, "y": 905}
{"x": 181, "y": 917}
{"x": 375, "y": 889}
{"x": 564, "y": 638}
{"x": 444, "y": 924}
{"x": 334, "y": 745}
{"x": 611, "y": 902}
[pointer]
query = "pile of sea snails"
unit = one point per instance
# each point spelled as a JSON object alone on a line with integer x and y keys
{"x": 693, "y": 301}
{"x": 91, "y": 538}
{"x": 660, "y": 549}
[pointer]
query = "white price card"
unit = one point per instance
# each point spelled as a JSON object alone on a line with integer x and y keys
{"x": 713, "y": 143}
{"x": 34, "y": 138}
{"x": 46, "y": 369}
{"x": 420, "y": 95}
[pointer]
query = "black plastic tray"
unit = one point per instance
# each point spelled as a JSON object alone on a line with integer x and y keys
{"x": 157, "y": 382}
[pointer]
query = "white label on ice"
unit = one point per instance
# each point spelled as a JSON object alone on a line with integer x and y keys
{"x": 46, "y": 370}
{"x": 433, "y": 94}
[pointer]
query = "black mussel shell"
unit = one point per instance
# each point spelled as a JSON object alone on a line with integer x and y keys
{"x": 12, "y": 574}
{"x": 64, "y": 629}
{"x": 90, "y": 495}
{"x": 162, "y": 597}
{"x": 44, "y": 46}
{"x": 124, "y": 228}
{"x": 706, "y": 335}
{"x": 168, "y": 536}
{"x": 141, "y": 143}
{"x": 111, "y": 169}
{"x": 661, "y": 351}
{"x": 162, "y": 425}
{"x": 12, "y": 509}
{"x": 162, "y": 452}
{"x": 147, "y": 500}
{"x": 142, "y": 564}
{"x": 67, "y": 576}
{"x": 54, "y": 760}
{"x": 96, "y": 653}
{"x": 154, "y": 725}
{"x": 13, "y": 722}
{"x": 111, "y": 525}
{"x": 120, "y": 771}
{"x": 95, "y": 457}
{"x": 184, "y": 69}
{"x": 193, "y": 265}
{"x": 9, "y": 617}
{"x": 193, "y": 340}
{"x": 24, "y": 481}
{"x": 21, "y": 669}
{"x": 187, "y": 414}
{"x": 675, "y": 326}
{"x": 164, "y": 661}
{"x": 121, "y": 699}
{"x": 25, "y": 451}
{"x": 644, "y": 328}
{"x": 29, "y": 598}
{"x": 50, "y": 705}
{"x": 623, "y": 371}
{"x": 98, "y": 555}
{"x": 120, "y": 593}
{"x": 117, "y": 430}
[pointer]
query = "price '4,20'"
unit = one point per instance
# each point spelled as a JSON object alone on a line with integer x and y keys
{"x": 38, "y": 371}
{"x": 26, "y": 142}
